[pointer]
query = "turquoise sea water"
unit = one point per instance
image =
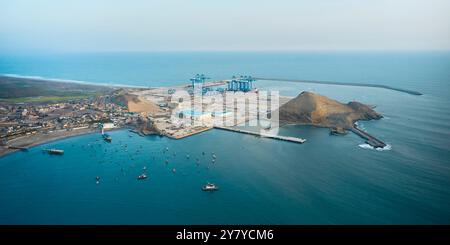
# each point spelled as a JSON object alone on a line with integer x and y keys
{"x": 328, "y": 180}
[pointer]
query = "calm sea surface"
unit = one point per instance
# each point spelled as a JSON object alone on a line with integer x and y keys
{"x": 328, "y": 180}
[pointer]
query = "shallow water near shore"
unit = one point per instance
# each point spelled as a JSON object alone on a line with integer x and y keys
{"x": 327, "y": 180}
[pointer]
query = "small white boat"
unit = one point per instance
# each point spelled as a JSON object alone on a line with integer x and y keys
{"x": 142, "y": 176}
{"x": 210, "y": 187}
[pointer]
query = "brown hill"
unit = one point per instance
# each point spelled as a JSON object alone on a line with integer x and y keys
{"x": 313, "y": 109}
{"x": 136, "y": 104}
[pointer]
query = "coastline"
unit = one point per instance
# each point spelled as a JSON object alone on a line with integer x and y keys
{"x": 36, "y": 140}
{"x": 61, "y": 80}
{"x": 28, "y": 141}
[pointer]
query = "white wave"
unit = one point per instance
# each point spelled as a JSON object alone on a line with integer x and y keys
{"x": 367, "y": 146}
{"x": 72, "y": 81}
{"x": 361, "y": 126}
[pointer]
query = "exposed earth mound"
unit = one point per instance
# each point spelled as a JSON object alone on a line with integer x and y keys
{"x": 313, "y": 109}
{"x": 136, "y": 104}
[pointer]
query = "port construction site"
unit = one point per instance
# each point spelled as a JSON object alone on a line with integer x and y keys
{"x": 200, "y": 106}
{"x": 234, "y": 105}
{"x": 203, "y": 105}
{"x": 192, "y": 108}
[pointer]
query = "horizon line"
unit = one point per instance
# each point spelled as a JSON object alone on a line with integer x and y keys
{"x": 218, "y": 50}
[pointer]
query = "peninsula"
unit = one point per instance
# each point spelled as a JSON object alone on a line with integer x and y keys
{"x": 317, "y": 110}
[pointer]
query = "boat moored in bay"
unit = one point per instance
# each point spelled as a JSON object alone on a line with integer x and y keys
{"x": 54, "y": 151}
{"x": 107, "y": 138}
{"x": 210, "y": 187}
{"x": 142, "y": 177}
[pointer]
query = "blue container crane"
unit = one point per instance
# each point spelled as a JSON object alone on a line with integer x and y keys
{"x": 198, "y": 78}
{"x": 243, "y": 83}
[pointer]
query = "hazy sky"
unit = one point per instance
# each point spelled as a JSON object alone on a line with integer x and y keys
{"x": 158, "y": 25}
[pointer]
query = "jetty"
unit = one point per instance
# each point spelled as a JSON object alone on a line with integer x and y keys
{"x": 264, "y": 135}
{"x": 343, "y": 84}
{"x": 374, "y": 142}
{"x": 17, "y": 148}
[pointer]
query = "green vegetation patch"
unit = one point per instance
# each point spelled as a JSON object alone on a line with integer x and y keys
{"x": 47, "y": 98}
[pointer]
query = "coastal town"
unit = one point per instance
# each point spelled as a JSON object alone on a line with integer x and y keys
{"x": 28, "y": 124}
{"x": 19, "y": 120}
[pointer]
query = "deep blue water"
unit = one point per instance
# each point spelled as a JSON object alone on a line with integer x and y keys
{"x": 328, "y": 180}
{"x": 424, "y": 71}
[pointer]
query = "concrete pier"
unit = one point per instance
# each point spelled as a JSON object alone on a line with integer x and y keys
{"x": 277, "y": 137}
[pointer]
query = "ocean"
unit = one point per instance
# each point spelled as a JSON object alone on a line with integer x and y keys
{"x": 327, "y": 180}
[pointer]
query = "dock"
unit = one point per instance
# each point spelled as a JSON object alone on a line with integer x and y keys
{"x": 276, "y": 137}
{"x": 193, "y": 131}
{"x": 374, "y": 142}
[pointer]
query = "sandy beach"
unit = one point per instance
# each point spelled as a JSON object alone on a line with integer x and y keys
{"x": 34, "y": 140}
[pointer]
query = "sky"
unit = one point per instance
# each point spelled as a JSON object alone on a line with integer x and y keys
{"x": 181, "y": 25}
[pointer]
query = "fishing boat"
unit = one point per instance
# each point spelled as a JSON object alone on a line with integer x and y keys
{"x": 142, "y": 176}
{"x": 107, "y": 138}
{"x": 210, "y": 187}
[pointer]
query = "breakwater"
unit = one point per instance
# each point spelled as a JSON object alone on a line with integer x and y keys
{"x": 412, "y": 92}
{"x": 369, "y": 138}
